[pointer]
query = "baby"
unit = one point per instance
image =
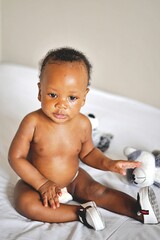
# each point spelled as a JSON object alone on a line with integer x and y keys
{"x": 46, "y": 149}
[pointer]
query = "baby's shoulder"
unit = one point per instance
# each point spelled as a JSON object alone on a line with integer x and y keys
{"x": 31, "y": 118}
{"x": 84, "y": 121}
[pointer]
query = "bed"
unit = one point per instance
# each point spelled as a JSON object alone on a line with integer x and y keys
{"x": 130, "y": 122}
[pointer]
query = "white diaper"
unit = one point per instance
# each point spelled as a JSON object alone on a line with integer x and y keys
{"x": 66, "y": 196}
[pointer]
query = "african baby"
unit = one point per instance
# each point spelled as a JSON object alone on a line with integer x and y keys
{"x": 49, "y": 143}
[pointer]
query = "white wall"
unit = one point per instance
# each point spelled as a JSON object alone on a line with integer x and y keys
{"x": 120, "y": 37}
{"x": 0, "y": 30}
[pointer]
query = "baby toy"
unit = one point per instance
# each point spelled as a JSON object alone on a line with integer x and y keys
{"x": 101, "y": 140}
{"x": 156, "y": 153}
{"x": 149, "y": 171}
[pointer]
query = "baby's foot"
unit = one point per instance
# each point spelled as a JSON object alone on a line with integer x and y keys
{"x": 89, "y": 215}
{"x": 149, "y": 206}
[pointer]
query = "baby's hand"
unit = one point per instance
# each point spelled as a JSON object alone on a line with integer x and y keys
{"x": 120, "y": 166}
{"x": 50, "y": 192}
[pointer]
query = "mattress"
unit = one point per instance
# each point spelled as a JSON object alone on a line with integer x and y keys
{"x": 130, "y": 122}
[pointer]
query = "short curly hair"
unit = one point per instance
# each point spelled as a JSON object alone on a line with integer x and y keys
{"x": 66, "y": 54}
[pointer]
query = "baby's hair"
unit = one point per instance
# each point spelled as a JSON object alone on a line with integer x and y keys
{"x": 66, "y": 54}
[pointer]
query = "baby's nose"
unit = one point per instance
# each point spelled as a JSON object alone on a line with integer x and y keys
{"x": 61, "y": 104}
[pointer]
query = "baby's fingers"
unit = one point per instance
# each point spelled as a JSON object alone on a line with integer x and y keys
{"x": 45, "y": 200}
{"x": 128, "y": 165}
{"x": 132, "y": 164}
{"x": 58, "y": 191}
{"x": 54, "y": 202}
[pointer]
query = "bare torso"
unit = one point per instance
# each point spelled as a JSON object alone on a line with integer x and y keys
{"x": 55, "y": 148}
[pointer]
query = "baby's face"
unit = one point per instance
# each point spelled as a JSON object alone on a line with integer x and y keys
{"x": 62, "y": 90}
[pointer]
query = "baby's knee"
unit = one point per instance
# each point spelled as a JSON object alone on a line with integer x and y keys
{"x": 26, "y": 201}
{"x": 96, "y": 190}
{"x": 25, "y": 206}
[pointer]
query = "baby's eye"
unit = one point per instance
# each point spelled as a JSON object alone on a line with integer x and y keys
{"x": 52, "y": 95}
{"x": 72, "y": 98}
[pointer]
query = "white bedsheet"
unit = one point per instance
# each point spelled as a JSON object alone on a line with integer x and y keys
{"x": 132, "y": 124}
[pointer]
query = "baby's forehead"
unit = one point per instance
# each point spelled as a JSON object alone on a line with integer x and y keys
{"x": 58, "y": 66}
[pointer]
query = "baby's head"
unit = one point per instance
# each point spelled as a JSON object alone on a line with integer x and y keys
{"x": 66, "y": 55}
{"x": 63, "y": 86}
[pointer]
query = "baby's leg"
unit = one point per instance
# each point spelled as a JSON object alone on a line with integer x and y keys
{"x": 84, "y": 188}
{"x": 28, "y": 204}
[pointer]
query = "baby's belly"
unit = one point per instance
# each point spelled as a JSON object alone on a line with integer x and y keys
{"x": 61, "y": 171}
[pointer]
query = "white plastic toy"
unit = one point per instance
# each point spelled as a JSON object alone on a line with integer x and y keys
{"x": 145, "y": 174}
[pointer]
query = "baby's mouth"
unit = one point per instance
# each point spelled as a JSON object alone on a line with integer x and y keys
{"x": 60, "y": 115}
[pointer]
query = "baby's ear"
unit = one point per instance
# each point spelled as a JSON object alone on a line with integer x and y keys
{"x": 39, "y": 91}
{"x": 87, "y": 90}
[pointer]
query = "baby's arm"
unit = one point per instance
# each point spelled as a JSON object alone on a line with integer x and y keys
{"x": 18, "y": 160}
{"x": 95, "y": 158}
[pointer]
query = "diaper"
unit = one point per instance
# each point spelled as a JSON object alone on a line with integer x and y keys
{"x": 66, "y": 196}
